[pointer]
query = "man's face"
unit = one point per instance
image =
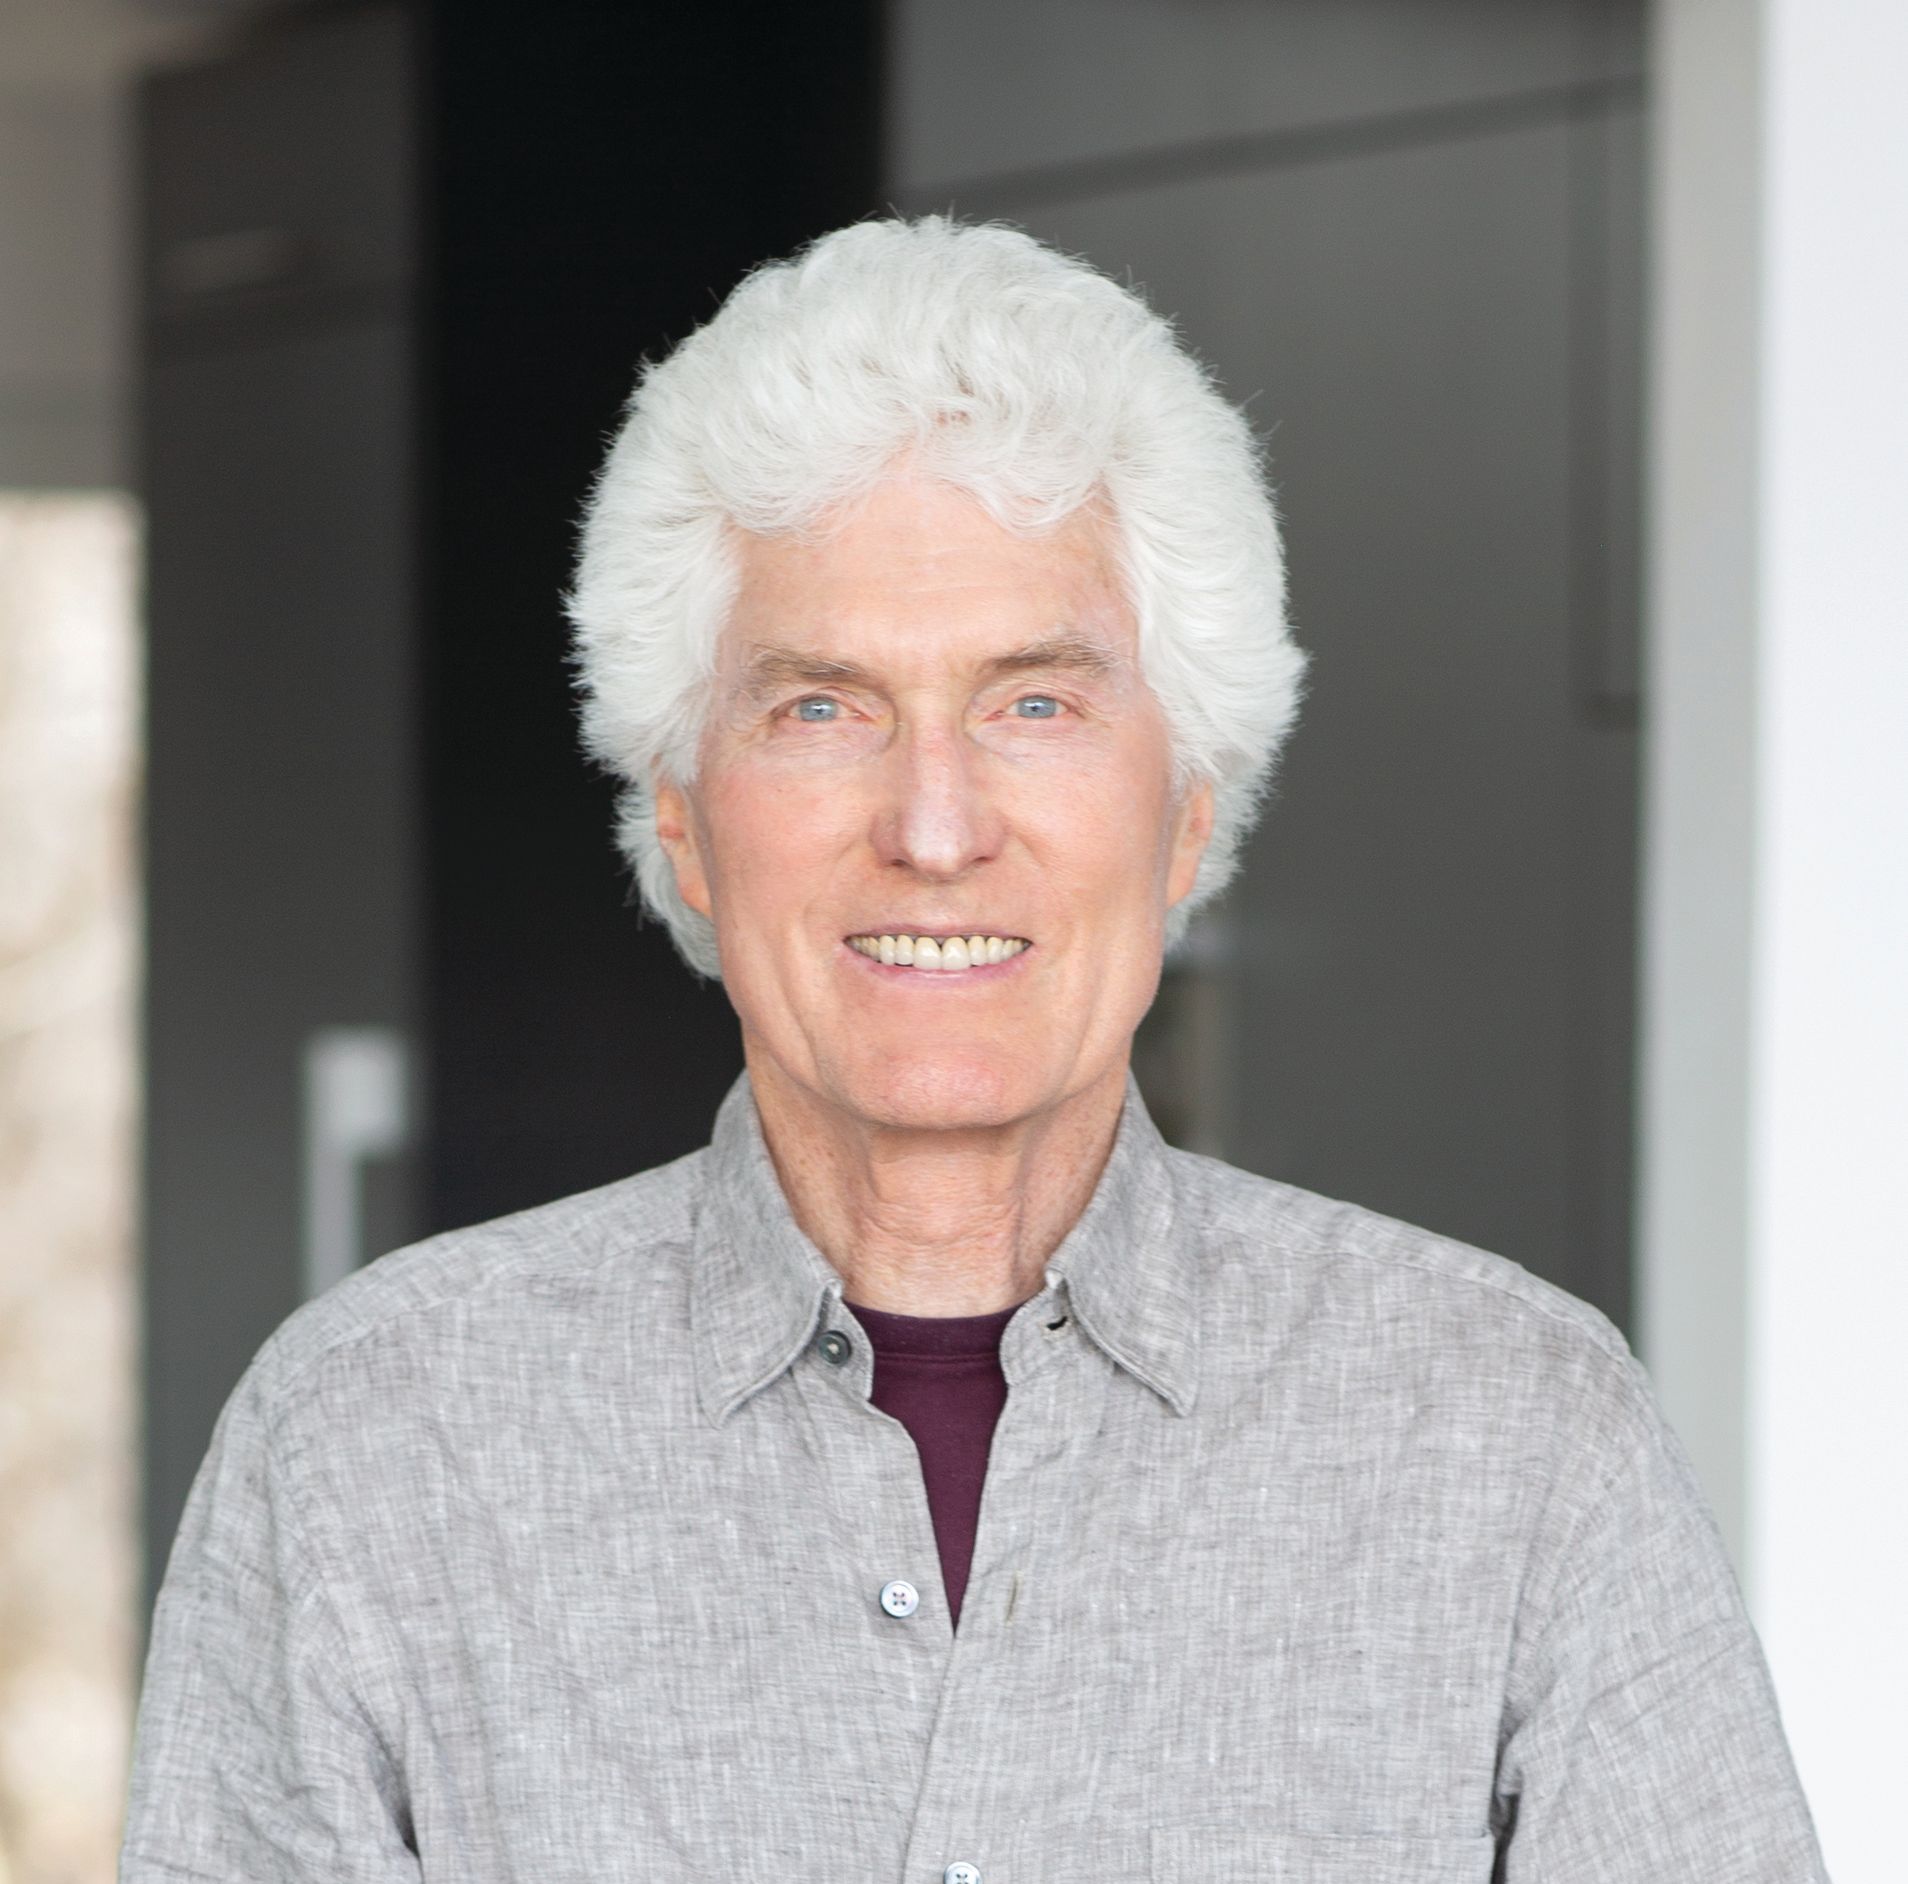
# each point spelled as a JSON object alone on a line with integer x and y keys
{"x": 928, "y": 726}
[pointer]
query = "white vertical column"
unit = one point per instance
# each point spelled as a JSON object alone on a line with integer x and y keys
{"x": 1774, "y": 1285}
{"x": 1703, "y": 444}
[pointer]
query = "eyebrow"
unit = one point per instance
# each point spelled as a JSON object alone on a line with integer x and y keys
{"x": 770, "y": 668}
{"x": 1078, "y": 654}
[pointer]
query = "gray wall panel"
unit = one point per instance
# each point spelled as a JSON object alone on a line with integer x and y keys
{"x": 986, "y": 87}
{"x": 281, "y": 847}
{"x": 285, "y": 172}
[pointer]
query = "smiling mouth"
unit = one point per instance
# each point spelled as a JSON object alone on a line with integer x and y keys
{"x": 939, "y": 954}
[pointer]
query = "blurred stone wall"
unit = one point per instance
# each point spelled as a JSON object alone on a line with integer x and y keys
{"x": 68, "y": 693}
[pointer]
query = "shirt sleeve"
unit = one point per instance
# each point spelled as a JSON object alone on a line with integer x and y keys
{"x": 1642, "y": 1742}
{"x": 257, "y": 1753}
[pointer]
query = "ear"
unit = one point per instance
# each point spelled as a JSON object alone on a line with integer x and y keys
{"x": 676, "y": 832}
{"x": 1192, "y": 832}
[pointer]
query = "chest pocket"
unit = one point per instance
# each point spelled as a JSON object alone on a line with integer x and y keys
{"x": 1198, "y": 1855}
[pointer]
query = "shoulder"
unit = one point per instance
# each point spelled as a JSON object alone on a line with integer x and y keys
{"x": 1404, "y": 1311}
{"x": 1255, "y": 1222}
{"x": 510, "y": 1282}
{"x": 367, "y": 1402}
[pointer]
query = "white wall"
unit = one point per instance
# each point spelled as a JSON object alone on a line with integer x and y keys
{"x": 1774, "y": 1282}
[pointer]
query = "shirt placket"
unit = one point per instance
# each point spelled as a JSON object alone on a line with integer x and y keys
{"x": 887, "y": 1575}
{"x": 954, "y": 1692}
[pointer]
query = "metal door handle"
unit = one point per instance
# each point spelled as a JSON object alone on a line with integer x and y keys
{"x": 357, "y": 1106}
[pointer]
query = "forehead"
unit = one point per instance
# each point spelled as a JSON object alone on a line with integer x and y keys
{"x": 919, "y": 570}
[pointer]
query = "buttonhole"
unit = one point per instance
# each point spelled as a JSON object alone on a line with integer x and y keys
{"x": 1052, "y": 1325}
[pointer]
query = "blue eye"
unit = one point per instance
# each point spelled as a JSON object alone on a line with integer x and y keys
{"x": 1036, "y": 706}
{"x": 817, "y": 709}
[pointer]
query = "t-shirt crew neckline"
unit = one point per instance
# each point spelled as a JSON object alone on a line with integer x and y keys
{"x": 935, "y": 1337}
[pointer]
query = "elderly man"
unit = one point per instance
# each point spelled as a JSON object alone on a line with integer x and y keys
{"x": 938, "y": 1479}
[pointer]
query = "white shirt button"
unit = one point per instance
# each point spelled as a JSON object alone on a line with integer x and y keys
{"x": 902, "y": 1599}
{"x": 961, "y": 1872}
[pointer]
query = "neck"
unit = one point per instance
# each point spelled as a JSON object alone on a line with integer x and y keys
{"x": 930, "y": 1222}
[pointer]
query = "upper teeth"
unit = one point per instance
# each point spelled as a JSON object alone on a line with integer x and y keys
{"x": 927, "y": 951}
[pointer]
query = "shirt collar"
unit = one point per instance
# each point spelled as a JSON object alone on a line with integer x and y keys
{"x": 761, "y": 1291}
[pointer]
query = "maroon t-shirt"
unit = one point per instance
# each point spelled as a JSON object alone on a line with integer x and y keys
{"x": 939, "y": 1375}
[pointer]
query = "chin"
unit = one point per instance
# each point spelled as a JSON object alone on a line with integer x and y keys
{"x": 943, "y": 1092}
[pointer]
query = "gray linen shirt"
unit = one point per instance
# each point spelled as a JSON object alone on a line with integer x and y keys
{"x": 1313, "y": 1548}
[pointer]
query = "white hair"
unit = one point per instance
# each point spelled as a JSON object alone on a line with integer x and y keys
{"x": 997, "y": 365}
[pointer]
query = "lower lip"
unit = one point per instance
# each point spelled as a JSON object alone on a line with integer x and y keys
{"x": 897, "y": 975}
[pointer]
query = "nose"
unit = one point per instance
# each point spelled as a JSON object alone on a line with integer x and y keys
{"x": 937, "y": 816}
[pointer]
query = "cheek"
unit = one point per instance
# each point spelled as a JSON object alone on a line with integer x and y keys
{"x": 1104, "y": 835}
{"x": 770, "y": 837}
